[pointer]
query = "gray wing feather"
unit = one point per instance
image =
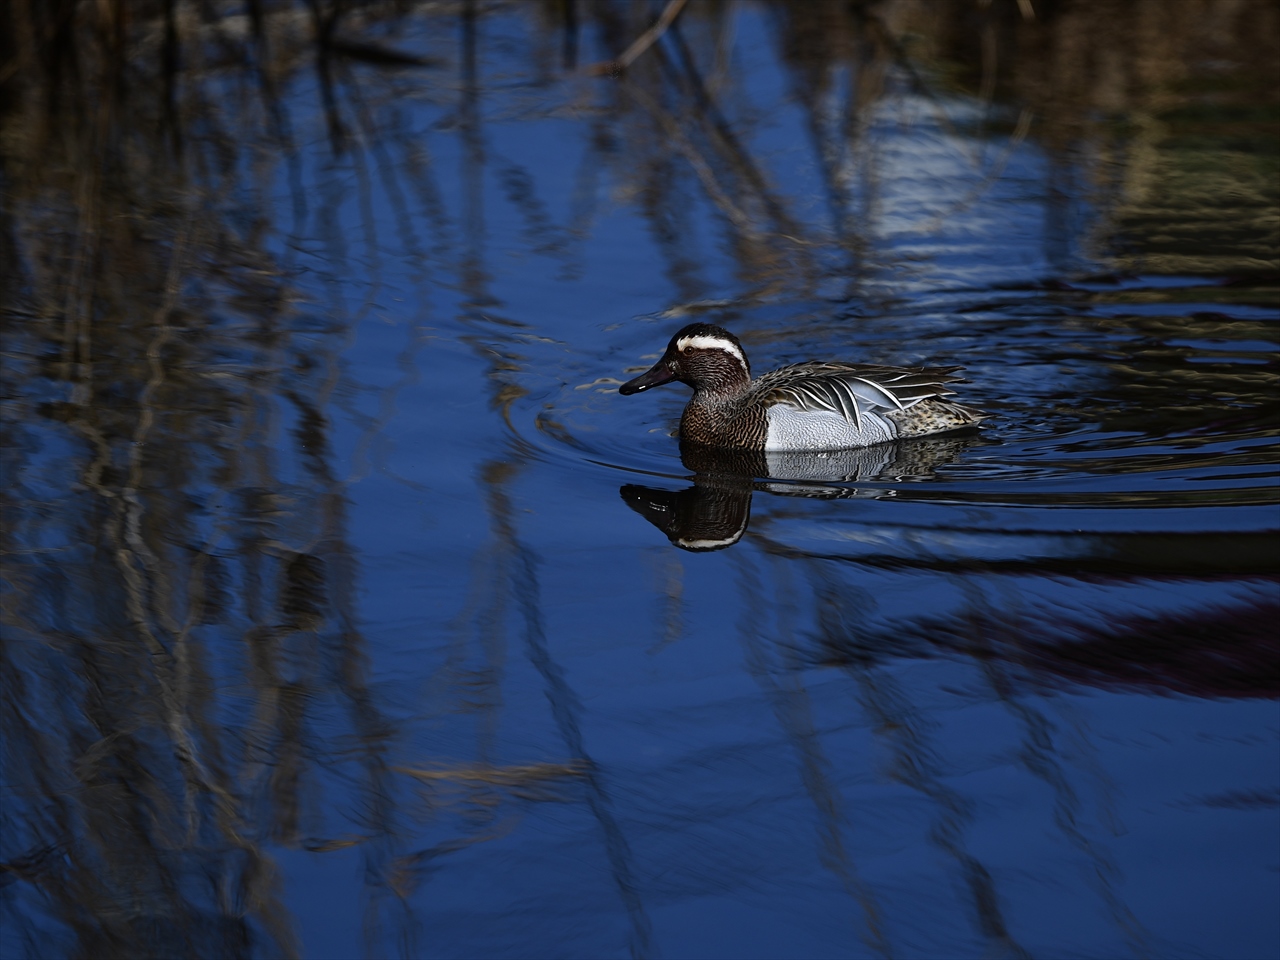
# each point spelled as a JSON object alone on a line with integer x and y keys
{"x": 849, "y": 389}
{"x": 872, "y": 392}
{"x": 847, "y": 397}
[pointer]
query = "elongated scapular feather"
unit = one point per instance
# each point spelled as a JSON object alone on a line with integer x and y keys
{"x": 851, "y": 389}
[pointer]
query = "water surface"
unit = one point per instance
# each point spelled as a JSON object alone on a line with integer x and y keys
{"x": 349, "y": 610}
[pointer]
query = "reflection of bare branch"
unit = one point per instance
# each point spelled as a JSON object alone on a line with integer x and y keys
{"x": 701, "y": 167}
{"x": 642, "y": 42}
{"x": 1020, "y": 131}
{"x": 767, "y": 239}
{"x": 740, "y": 158}
{"x": 566, "y": 710}
{"x": 534, "y": 781}
{"x": 790, "y": 700}
{"x": 905, "y": 729}
{"x": 893, "y": 44}
{"x": 671, "y": 585}
{"x": 1042, "y": 761}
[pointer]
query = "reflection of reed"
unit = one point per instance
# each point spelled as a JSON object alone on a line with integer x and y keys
{"x": 147, "y": 794}
{"x": 1015, "y": 648}
{"x": 510, "y": 572}
{"x": 153, "y": 810}
{"x": 1041, "y": 755}
{"x": 671, "y": 588}
{"x": 667, "y": 85}
{"x": 786, "y": 692}
{"x": 1012, "y": 656}
{"x": 513, "y": 576}
{"x": 904, "y": 730}
{"x": 471, "y": 171}
{"x": 847, "y": 634}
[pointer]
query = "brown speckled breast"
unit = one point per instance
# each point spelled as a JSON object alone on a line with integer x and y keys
{"x": 724, "y": 423}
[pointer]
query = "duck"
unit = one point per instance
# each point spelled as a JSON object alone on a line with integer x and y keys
{"x": 819, "y": 405}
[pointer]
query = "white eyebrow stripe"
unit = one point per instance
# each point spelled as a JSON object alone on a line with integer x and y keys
{"x": 711, "y": 343}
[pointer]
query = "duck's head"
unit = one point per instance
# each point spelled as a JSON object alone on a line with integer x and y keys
{"x": 706, "y": 357}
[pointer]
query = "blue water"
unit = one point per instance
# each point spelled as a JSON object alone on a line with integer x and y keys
{"x": 455, "y": 696}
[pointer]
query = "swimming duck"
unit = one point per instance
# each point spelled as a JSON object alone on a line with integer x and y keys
{"x": 813, "y": 406}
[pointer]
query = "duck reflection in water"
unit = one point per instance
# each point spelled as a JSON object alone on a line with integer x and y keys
{"x": 715, "y": 511}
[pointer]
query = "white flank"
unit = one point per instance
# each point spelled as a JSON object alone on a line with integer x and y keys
{"x": 792, "y": 430}
{"x": 711, "y": 343}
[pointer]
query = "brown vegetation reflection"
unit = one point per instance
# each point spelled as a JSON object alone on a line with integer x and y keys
{"x": 184, "y": 663}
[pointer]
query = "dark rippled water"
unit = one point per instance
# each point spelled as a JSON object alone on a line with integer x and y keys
{"x": 350, "y": 610}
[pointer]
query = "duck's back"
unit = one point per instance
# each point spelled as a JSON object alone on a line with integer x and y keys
{"x": 828, "y": 406}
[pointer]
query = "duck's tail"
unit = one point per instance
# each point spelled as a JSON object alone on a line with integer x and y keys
{"x": 934, "y": 415}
